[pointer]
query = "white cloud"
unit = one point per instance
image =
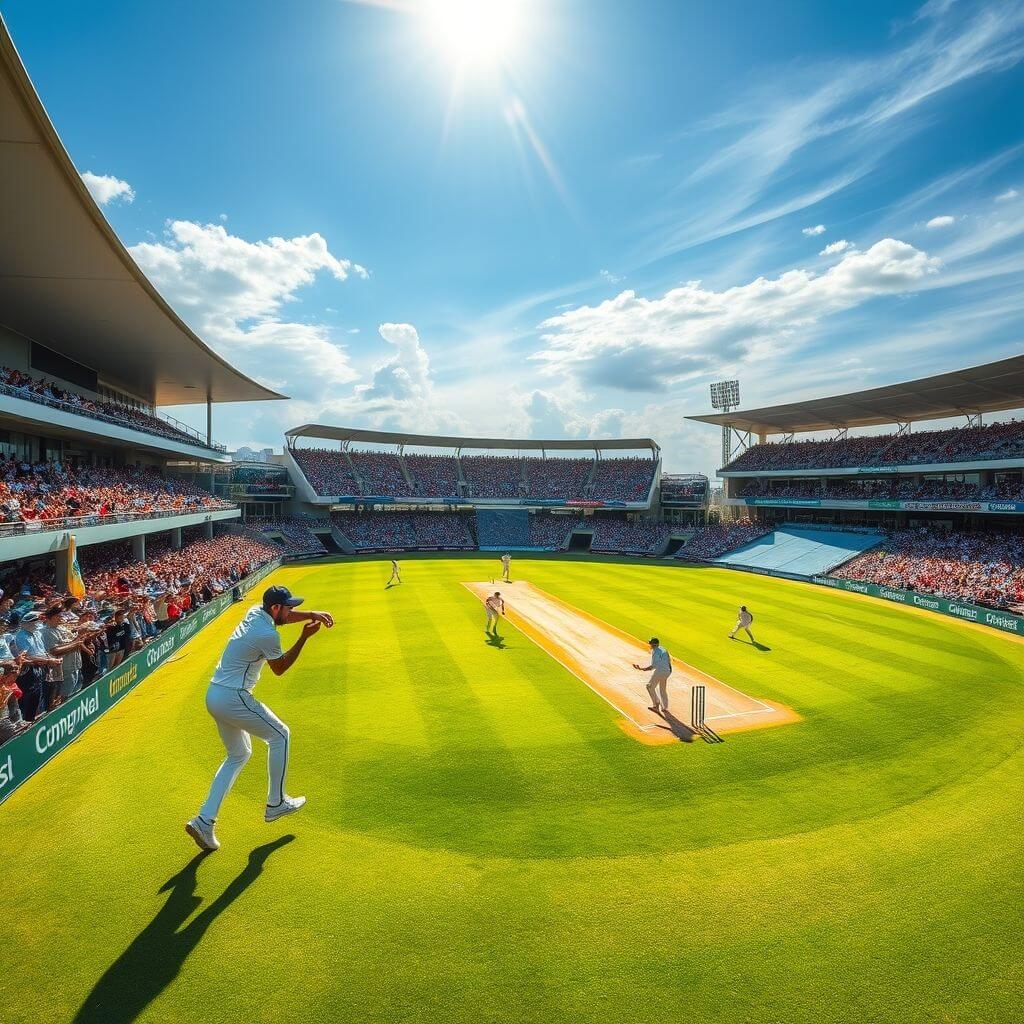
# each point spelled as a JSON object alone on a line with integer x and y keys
{"x": 834, "y": 248}
{"x": 611, "y": 278}
{"x": 400, "y": 392}
{"x": 222, "y": 217}
{"x": 1005, "y": 197}
{"x": 818, "y": 229}
{"x": 639, "y": 344}
{"x": 940, "y": 222}
{"x": 232, "y": 292}
{"x": 105, "y": 188}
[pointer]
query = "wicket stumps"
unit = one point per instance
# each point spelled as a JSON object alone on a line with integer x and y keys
{"x": 697, "y": 699}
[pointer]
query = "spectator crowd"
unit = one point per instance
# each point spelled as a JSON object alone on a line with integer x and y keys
{"x": 985, "y": 568}
{"x": 1009, "y": 487}
{"x": 293, "y": 533}
{"x": 36, "y": 389}
{"x": 952, "y": 444}
{"x": 48, "y": 491}
{"x": 390, "y": 475}
{"x": 52, "y": 644}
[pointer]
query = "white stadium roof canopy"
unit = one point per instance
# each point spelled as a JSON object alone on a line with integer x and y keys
{"x": 68, "y": 283}
{"x": 329, "y": 433}
{"x": 994, "y": 387}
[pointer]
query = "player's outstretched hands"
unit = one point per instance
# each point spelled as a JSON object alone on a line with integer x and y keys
{"x": 311, "y": 628}
{"x": 324, "y": 618}
{"x": 636, "y": 666}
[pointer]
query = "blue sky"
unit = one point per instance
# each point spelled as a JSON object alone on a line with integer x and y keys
{"x": 573, "y": 236}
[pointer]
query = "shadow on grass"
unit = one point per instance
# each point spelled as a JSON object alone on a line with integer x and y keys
{"x": 156, "y": 955}
{"x": 494, "y": 640}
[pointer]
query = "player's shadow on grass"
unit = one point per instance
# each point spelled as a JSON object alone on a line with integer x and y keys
{"x": 156, "y": 955}
{"x": 388, "y": 586}
{"x": 493, "y": 640}
{"x": 752, "y": 643}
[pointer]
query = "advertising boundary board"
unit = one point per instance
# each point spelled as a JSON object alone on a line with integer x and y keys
{"x": 23, "y": 756}
{"x": 1008, "y": 622}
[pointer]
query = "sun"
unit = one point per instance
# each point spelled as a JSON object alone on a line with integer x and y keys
{"x": 480, "y": 33}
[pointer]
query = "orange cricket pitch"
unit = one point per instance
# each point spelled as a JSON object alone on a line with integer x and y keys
{"x": 602, "y": 657}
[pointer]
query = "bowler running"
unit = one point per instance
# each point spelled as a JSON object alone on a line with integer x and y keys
{"x": 239, "y": 715}
{"x": 495, "y": 609}
{"x": 396, "y": 575}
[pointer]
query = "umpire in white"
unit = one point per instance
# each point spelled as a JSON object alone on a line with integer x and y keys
{"x": 239, "y": 715}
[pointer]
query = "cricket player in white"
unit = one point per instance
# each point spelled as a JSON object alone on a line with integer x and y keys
{"x": 743, "y": 622}
{"x": 495, "y": 609}
{"x": 660, "y": 669}
{"x": 395, "y": 574}
{"x": 239, "y": 715}
{"x": 506, "y": 566}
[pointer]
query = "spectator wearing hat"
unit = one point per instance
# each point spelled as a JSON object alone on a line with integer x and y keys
{"x": 11, "y": 721}
{"x": 62, "y": 642}
{"x": 36, "y": 663}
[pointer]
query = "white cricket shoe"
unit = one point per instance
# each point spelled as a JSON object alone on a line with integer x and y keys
{"x": 289, "y": 805}
{"x": 202, "y": 833}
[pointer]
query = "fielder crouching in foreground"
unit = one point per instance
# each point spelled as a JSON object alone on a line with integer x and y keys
{"x": 239, "y": 715}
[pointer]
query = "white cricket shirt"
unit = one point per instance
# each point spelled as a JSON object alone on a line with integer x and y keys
{"x": 254, "y": 642}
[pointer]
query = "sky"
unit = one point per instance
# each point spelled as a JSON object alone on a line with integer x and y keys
{"x": 554, "y": 218}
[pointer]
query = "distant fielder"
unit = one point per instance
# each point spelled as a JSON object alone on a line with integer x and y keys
{"x": 239, "y": 715}
{"x": 395, "y": 574}
{"x": 506, "y": 567}
{"x": 660, "y": 669}
{"x": 743, "y": 622}
{"x": 495, "y": 609}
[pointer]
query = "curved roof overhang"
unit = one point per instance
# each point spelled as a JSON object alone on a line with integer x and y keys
{"x": 67, "y": 281}
{"x": 329, "y": 433}
{"x": 992, "y": 387}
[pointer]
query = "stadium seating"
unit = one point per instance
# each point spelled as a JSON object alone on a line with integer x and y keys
{"x": 1011, "y": 488}
{"x": 433, "y": 476}
{"x": 618, "y": 535}
{"x": 802, "y": 552}
{"x": 380, "y": 474}
{"x": 403, "y": 531}
{"x": 709, "y": 542}
{"x": 47, "y": 392}
{"x": 328, "y": 472}
{"x": 954, "y": 444}
{"x": 985, "y": 568}
{"x": 625, "y": 479}
{"x": 48, "y": 494}
{"x": 293, "y": 533}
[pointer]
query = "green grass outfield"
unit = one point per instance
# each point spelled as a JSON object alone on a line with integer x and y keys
{"x": 482, "y": 843}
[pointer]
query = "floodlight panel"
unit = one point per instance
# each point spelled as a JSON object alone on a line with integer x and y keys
{"x": 725, "y": 394}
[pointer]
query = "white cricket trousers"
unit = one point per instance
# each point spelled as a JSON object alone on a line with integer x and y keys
{"x": 239, "y": 715}
{"x": 746, "y": 629}
{"x": 657, "y": 687}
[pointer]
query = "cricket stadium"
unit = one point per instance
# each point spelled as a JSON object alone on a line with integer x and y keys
{"x": 423, "y": 720}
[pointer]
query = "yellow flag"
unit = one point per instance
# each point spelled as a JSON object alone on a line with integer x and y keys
{"x": 75, "y": 583}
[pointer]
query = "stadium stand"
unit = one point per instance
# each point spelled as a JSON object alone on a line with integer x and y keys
{"x": 617, "y": 535}
{"x": 955, "y": 444}
{"x": 293, "y": 533}
{"x": 625, "y": 479}
{"x": 403, "y": 531}
{"x": 986, "y": 568}
{"x": 50, "y": 495}
{"x": 710, "y": 542}
{"x": 494, "y": 476}
{"x": 799, "y": 551}
{"x": 48, "y": 392}
{"x": 433, "y": 476}
{"x": 329, "y": 472}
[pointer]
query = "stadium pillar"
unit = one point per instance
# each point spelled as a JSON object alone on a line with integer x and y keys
{"x": 209, "y": 421}
{"x": 208, "y": 529}
{"x": 139, "y": 548}
{"x": 176, "y": 539}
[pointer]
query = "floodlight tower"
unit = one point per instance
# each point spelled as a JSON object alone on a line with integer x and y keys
{"x": 725, "y": 396}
